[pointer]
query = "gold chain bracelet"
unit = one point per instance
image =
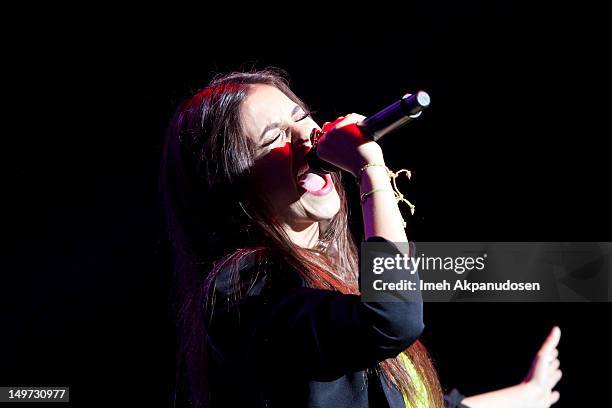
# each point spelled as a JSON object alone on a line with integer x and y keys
{"x": 364, "y": 196}
{"x": 399, "y": 197}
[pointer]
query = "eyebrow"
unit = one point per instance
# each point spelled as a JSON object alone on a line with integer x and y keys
{"x": 276, "y": 125}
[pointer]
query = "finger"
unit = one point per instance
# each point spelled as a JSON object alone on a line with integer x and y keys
{"x": 551, "y": 341}
{"x": 330, "y": 125}
{"x": 350, "y": 119}
{"x": 554, "y": 365}
{"x": 555, "y": 379}
{"x": 357, "y": 116}
{"x": 554, "y": 354}
{"x": 554, "y": 397}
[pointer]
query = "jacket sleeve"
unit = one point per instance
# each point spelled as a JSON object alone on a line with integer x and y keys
{"x": 453, "y": 399}
{"x": 323, "y": 333}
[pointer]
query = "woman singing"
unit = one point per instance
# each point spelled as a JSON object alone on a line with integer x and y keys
{"x": 266, "y": 268}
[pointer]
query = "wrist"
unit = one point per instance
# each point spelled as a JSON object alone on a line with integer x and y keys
{"x": 369, "y": 153}
{"x": 373, "y": 176}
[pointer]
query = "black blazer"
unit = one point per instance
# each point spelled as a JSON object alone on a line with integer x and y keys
{"x": 286, "y": 345}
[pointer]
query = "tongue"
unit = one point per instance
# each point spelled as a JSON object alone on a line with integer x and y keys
{"x": 312, "y": 182}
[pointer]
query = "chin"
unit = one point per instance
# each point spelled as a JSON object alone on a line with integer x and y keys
{"x": 317, "y": 209}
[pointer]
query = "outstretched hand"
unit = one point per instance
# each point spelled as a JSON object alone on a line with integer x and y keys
{"x": 545, "y": 373}
{"x": 536, "y": 390}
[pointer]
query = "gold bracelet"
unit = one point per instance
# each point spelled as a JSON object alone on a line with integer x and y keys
{"x": 364, "y": 196}
{"x": 393, "y": 176}
{"x": 361, "y": 170}
{"x": 398, "y": 194}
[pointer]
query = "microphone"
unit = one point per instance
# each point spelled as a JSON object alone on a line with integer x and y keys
{"x": 376, "y": 126}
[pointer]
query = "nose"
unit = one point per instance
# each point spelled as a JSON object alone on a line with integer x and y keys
{"x": 301, "y": 137}
{"x": 300, "y": 143}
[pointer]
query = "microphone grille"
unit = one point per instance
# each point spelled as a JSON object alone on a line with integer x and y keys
{"x": 423, "y": 98}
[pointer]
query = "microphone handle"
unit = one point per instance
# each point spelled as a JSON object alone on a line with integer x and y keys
{"x": 381, "y": 123}
{"x": 395, "y": 116}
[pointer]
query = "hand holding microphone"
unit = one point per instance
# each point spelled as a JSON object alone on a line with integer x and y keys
{"x": 331, "y": 152}
{"x": 343, "y": 145}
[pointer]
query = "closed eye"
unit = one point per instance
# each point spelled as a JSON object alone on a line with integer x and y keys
{"x": 274, "y": 139}
{"x": 304, "y": 116}
{"x": 301, "y": 118}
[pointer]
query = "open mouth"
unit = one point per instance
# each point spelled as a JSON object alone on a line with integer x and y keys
{"x": 314, "y": 183}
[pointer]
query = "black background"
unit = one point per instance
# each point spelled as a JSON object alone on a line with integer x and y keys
{"x": 511, "y": 149}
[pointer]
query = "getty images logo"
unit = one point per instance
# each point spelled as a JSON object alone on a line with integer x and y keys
{"x": 459, "y": 264}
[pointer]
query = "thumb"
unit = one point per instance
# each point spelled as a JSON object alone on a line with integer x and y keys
{"x": 551, "y": 341}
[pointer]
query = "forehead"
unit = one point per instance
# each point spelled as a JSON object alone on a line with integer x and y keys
{"x": 263, "y": 105}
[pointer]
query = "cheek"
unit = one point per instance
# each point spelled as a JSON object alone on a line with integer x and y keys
{"x": 273, "y": 176}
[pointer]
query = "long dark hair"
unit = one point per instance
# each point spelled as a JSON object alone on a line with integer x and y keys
{"x": 214, "y": 220}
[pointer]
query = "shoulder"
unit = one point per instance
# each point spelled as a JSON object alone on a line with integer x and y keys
{"x": 239, "y": 273}
{"x": 252, "y": 272}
